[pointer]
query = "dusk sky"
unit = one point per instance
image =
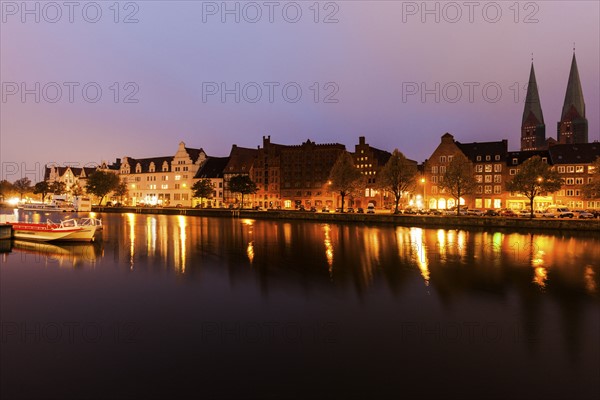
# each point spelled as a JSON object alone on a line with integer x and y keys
{"x": 177, "y": 57}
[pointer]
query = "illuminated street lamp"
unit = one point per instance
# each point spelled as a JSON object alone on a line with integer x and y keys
{"x": 423, "y": 183}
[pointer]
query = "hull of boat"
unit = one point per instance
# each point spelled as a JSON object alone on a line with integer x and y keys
{"x": 41, "y": 235}
{"x": 86, "y": 234}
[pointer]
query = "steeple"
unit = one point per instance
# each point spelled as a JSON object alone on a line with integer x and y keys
{"x": 573, "y": 125}
{"x": 532, "y": 100}
{"x": 533, "y": 128}
{"x": 574, "y": 95}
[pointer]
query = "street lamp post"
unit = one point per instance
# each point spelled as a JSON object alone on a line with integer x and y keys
{"x": 424, "y": 202}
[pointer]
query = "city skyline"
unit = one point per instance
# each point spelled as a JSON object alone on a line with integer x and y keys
{"x": 174, "y": 60}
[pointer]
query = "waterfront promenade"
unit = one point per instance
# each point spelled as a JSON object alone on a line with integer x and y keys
{"x": 430, "y": 221}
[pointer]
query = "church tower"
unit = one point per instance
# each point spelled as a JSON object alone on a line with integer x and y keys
{"x": 573, "y": 125}
{"x": 533, "y": 128}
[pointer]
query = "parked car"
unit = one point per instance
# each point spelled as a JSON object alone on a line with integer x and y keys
{"x": 543, "y": 214}
{"x": 371, "y": 208}
{"x": 475, "y": 212}
{"x": 350, "y": 210}
{"x": 452, "y": 211}
{"x": 524, "y": 213}
{"x": 360, "y": 210}
{"x": 325, "y": 209}
{"x": 409, "y": 210}
{"x": 313, "y": 209}
{"x": 583, "y": 214}
{"x": 434, "y": 211}
{"x": 507, "y": 212}
{"x": 491, "y": 213}
{"x": 561, "y": 212}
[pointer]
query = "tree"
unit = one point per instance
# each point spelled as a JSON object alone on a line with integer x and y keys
{"x": 121, "y": 190}
{"x": 22, "y": 186}
{"x": 533, "y": 178}
{"x": 398, "y": 176}
{"x": 344, "y": 176}
{"x": 242, "y": 184}
{"x": 76, "y": 190}
{"x": 58, "y": 187}
{"x": 591, "y": 190}
{"x": 458, "y": 179}
{"x": 203, "y": 189}
{"x": 6, "y": 188}
{"x": 100, "y": 183}
{"x": 42, "y": 188}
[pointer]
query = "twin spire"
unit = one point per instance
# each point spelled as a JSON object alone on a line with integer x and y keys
{"x": 572, "y": 127}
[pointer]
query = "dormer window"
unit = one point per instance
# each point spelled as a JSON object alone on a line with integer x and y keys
{"x": 488, "y": 158}
{"x": 515, "y": 161}
{"x": 152, "y": 167}
{"x": 165, "y": 167}
{"x": 138, "y": 168}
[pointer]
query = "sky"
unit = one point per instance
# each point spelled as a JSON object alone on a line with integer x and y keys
{"x": 84, "y": 82}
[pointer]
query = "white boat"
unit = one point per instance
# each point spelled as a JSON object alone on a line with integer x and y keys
{"x": 91, "y": 221}
{"x": 66, "y": 230}
{"x": 54, "y": 206}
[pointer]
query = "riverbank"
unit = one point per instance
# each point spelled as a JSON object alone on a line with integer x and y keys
{"x": 426, "y": 221}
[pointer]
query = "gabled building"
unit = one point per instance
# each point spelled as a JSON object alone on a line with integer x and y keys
{"x": 213, "y": 169}
{"x": 516, "y": 201}
{"x": 370, "y": 160}
{"x": 71, "y": 176}
{"x": 164, "y": 180}
{"x": 241, "y": 161}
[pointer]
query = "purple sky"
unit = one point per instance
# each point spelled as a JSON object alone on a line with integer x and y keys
{"x": 373, "y": 57}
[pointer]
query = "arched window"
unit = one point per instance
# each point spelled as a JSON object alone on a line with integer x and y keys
{"x": 152, "y": 167}
{"x": 138, "y": 168}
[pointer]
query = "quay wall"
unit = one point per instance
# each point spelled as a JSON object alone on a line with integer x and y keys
{"x": 426, "y": 221}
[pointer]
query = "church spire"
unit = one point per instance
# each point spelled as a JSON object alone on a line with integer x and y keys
{"x": 532, "y": 100}
{"x": 533, "y": 129}
{"x": 574, "y": 94}
{"x": 573, "y": 125}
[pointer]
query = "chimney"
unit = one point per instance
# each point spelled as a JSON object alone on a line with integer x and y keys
{"x": 361, "y": 140}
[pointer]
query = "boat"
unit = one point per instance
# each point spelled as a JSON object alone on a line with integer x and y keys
{"x": 91, "y": 222}
{"x": 65, "y": 230}
{"x": 54, "y": 206}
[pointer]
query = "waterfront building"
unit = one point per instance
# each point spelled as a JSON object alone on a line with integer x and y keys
{"x": 573, "y": 124}
{"x": 370, "y": 160}
{"x": 213, "y": 169}
{"x": 516, "y": 201}
{"x": 574, "y": 163}
{"x": 164, "y": 180}
{"x": 70, "y": 176}
{"x": 241, "y": 160}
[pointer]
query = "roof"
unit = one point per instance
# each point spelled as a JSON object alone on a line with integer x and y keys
{"x": 241, "y": 160}
{"x": 523, "y": 156}
{"x": 472, "y": 150}
{"x": 145, "y": 163}
{"x": 213, "y": 167}
{"x": 575, "y": 153}
{"x": 194, "y": 153}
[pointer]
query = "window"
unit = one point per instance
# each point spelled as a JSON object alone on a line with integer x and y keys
{"x": 497, "y": 189}
{"x": 570, "y": 169}
{"x": 177, "y": 177}
{"x": 488, "y": 178}
{"x": 488, "y": 158}
{"x": 434, "y": 179}
{"x": 515, "y": 161}
{"x": 488, "y": 167}
{"x": 570, "y": 192}
{"x": 488, "y": 189}
{"x": 479, "y": 189}
{"x": 478, "y": 178}
{"x": 450, "y": 158}
{"x": 177, "y": 186}
{"x": 497, "y": 167}
{"x": 570, "y": 181}
{"x": 545, "y": 160}
{"x": 579, "y": 169}
{"x": 443, "y": 159}
{"x": 164, "y": 186}
{"x": 497, "y": 157}
{"x": 138, "y": 168}
{"x": 590, "y": 169}
{"x": 579, "y": 181}
{"x": 561, "y": 169}
{"x": 434, "y": 189}
{"x": 478, "y": 158}
{"x": 497, "y": 178}
{"x": 479, "y": 168}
